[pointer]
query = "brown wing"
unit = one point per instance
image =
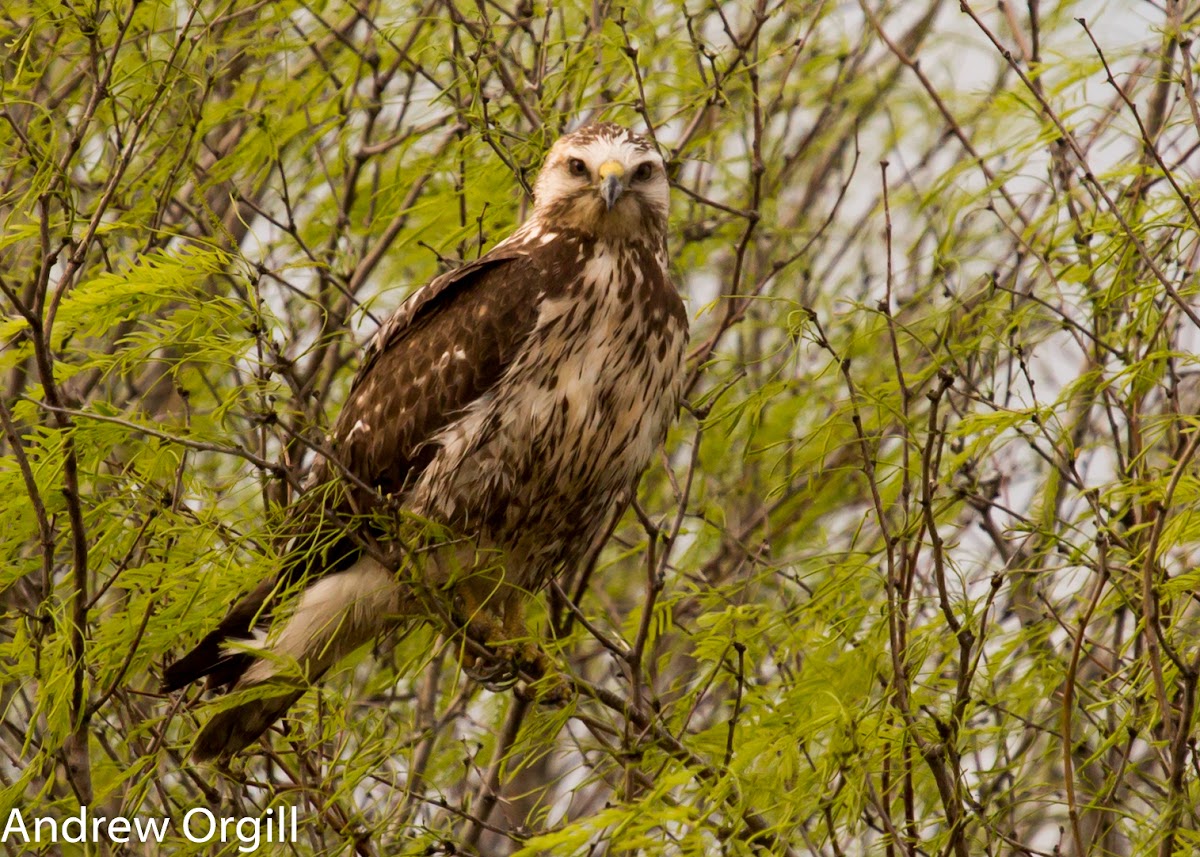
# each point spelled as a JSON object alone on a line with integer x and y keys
{"x": 444, "y": 348}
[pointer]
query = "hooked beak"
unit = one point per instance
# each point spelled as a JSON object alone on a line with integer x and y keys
{"x": 611, "y": 188}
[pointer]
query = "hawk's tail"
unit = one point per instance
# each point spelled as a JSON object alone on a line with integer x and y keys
{"x": 334, "y": 615}
{"x": 232, "y": 730}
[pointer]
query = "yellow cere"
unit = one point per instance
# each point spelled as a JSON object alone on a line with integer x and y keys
{"x": 610, "y": 168}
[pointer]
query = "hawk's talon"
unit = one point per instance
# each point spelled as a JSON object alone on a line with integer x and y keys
{"x": 520, "y": 666}
{"x": 494, "y": 670}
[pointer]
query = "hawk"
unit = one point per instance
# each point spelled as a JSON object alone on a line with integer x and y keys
{"x": 497, "y": 420}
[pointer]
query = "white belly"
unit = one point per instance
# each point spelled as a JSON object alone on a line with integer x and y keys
{"x": 571, "y": 425}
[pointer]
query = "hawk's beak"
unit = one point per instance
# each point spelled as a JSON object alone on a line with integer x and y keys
{"x": 611, "y": 173}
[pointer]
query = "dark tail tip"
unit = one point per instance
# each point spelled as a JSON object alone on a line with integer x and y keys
{"x": 196, "y": 664}
{"x": 210, "y": 657}
{"x": 223, "y": 668}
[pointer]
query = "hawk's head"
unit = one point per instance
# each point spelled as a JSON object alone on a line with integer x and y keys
{"x": 604, "y": 180}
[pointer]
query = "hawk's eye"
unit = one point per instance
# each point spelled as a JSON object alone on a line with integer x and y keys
{"x": 577, "y": 167}
{"x": 643, "y": 171}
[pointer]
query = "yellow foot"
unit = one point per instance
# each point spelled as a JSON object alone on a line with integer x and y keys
{"x": 551, "y": 690}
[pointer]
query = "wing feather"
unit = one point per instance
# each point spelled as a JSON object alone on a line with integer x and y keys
{"x": 446, "y": 346}
{"x": 440, "y": 352}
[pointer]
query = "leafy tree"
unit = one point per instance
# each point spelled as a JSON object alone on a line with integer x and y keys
{"x": 916, "y": 573}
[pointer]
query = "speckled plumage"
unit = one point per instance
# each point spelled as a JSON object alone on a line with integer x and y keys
{"x": 514, "y": 401}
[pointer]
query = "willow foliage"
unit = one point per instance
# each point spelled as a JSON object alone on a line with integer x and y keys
{"x": 916, "y": 573}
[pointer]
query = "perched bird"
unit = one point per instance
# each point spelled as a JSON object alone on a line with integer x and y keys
{"x": 497, "y": 420}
